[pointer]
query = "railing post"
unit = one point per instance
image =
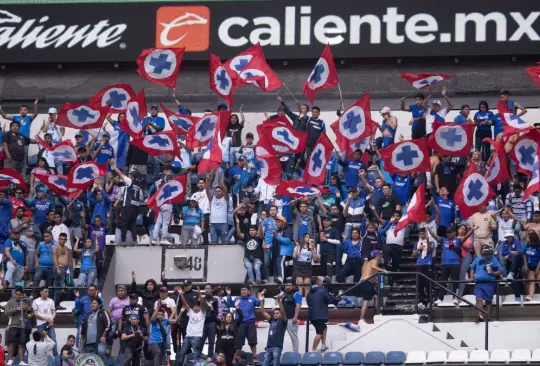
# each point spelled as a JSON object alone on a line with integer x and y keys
{"x": 497, "y": 300}
{"x": 416, "y": 293}
{"x": 307, "y": 334}
{"x": 381, "y": 296}
{"x": 430, "y": 301}
{"x": 486, "y": 346}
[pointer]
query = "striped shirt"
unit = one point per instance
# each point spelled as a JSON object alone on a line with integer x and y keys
{"x": 523, "y": 210}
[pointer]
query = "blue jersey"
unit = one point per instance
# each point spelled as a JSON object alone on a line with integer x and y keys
{"x": 460, "y": 119}
{"x": 479, "y": 266}
{"x": 402, "y": 188}
{"x": 448, "y": 211}
{"x": 450, "y": 250}
{"x": 18, "y": 252}
{"x": 158, "y": 121}
{"x": 533, "y": 255}
{"x": 106, "y": 153}
{"x": 41, "y": 208}
{"x": 25, "y": 123}
{"x": 480, "y": 117}
{"x": 45, "y": 254}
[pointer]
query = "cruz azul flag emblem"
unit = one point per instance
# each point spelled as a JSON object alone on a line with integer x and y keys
{"x": 171, "y": 192}
{"x": 424, "y": 80}
{"x": 514, "y": 124}
{"x": 158, "y": 144}
{"x": 82, "y": 175}
{"x": 452, "y": 139}
{"x": 63, "y": 151}
{"x": 180, "y": 123}
{"x": 135, "y": 113}
{"x": 55, "y": 182}
{"x": 282, "y": 136}
{"x": 497, "y": 170}
{"x": 315, "y": 171}
{"x": 201, "y": 132}
{"x": 323, "y": 76}
{"x": 12, "y": 176}
{"x": 240, "y": 61}
{"x": 355, "y": 122}
{"x": 222, "y": 80}
{"x": 269, "y": 164}
{"x": 160, "y": 65}
{"x": 116, "y": 96}
{"x": 534, "y": 184}
{"x": 81, "y": 116}
{"x": 259, "y": 73}
{"x": 524, "y": 151}
{"x": 416, "y": 210}
{"x": 473, "y": 192}
{"x": 406, "y": 157}
{"x": 297, "y": 188}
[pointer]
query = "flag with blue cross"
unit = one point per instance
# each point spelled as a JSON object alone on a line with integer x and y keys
{"x": 82, "y": 116}
{"x": 82, "y": 175}
{"x": 298, "y": 188}
{"x": 116, "y": 96}
{"x": 240, "y": 61}
{"x": 282, "y": 136}
{"x": 171, "y": 192}
{"x": 180, "y": 123}
{"x": 315, "y": 171}
{"x": 513, "y": 124}
{"x": 160, "y": 143}
{"x": 55, "y": 182}
{"x": 63, "y": 151}
{"x": 323, "y": 76}
{"x": 452, "y": 139}
{"x": 425, "y": 80}
{"x": 12, "y": 176}
{"x": 160, "y": 65}
{"x": 406, "y": 157}
{"x": 354, "y": 124}
{"x": 222, "y": 80}
{"x": 524, "y": 150}
{"x": 473, "y": 192}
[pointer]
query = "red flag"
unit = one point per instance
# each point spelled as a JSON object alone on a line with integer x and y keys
{"x": 323, "y": 76}
{"x": 416, "y": 209}
{"x": 354, "y": 124}
{"x": 160, "y": 65}
{"x": 297, "y": 188}
{"x": 514, "y": 124}
{"x": 259, "y": 73}
{"x": 171, "y": 192}
{"x": 222, "y": 80}
{"x": 63, "y": 151}
{"x": 424, "y": 80}
{"x": 315, "y": 170}
{"x": 55, "y": 182}
{"x": 269, "y": 164}
{"x": 452, "y": 139}
{"x": 213, "y": 156}
{"x": 534, "y": 73}
{"x": 116, "y": 96}
{"x": 82, "y": 175}
{"x": 82, "y": 116}
{"x": 201, "y": 132}
{"x": 502, "y": 107}
{"x": 497, "y": 170}
{"x": 12, "y": 176}
{"x": 158, "y": 144}
{"x": 135, "y": 113}
{"x": 406, "y": 157}
{"x": 524, "y": 150}
{"x": 240, "y": 61}
{"x": 473, "y": 192}
{"x": 283, "y": 137}
{"x": 179, "y": 122}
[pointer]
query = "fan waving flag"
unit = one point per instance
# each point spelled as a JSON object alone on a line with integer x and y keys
{"x": 135, "y": 113}
{"x": 498, "y": 169}
{"x": 63, "y": 151}
{"x": 424, "y": 80}
{"x": 297, "y": 188}
{"x": 158, "y": 144}
{"x": 82, "y": 116}
{"x": 222, "y": 80}
{"x": 240, "y": 61}
{"x": 201, "y": 132}
{"x": 315, "y": 171}
{"x": 116, "y": 96}
{"x": 213, "y": 156}
{"x": 285, "y": 139}
{"x": 406, "y": 157}
{"x": 82, "y": 175}
{"x": 524, "y": 150}
{"x": 534, "y": 73}
{"x": 55, "y": 182}
{"x": 269, "y": 164}
{"x": 259, "y": 73}
{"x": 473, "y": 192}
{"x": 452, "y": 139}
{"x": 416, "y": 209}
{"x": 160, "y": 65}
{"x": 180, "y": 123}
{"x": 12, "y": 176}
{"x": 323, "y": 76}
{"x": 514, "y": 124}
{"x": 171, "y": 192}
{"x": 354, "y": 124}
{"x": 534, "y": 183}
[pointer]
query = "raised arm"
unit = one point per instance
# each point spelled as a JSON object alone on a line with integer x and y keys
{"x": 263, "y": 313}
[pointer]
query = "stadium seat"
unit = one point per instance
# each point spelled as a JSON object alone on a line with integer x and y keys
{"x": 332, "y": 358}
{"x": 353, "y": 358}
{"x": 395, "y": 358}
{"x": 499, "y": 356}
{"x": 535, "y": 355}
{"x": 469, "y": 298}
{"x": 521, "y": 356}
{"x": 312, "y": 358}
{"x": 534, "y": 301}
{"x": 374, "y": 358}
{"x": 479, "y": 356}
{"x": 447, "y": 302}
{"x": 436, "y": 357}
{"x": 348, "y": 302}
{"x": 416, "y": 358}
{"x": 457, "y": 356}
{"x": 291, "y": 359}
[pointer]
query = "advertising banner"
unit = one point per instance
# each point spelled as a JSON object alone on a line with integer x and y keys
{"x": 91, "y": 32}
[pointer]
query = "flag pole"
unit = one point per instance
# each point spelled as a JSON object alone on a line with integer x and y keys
{"x": 340, "y": 95}
{"x": 290, "y": 92}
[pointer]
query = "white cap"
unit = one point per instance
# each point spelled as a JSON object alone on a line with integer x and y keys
{"x": 52, "y": 110}
{"x": 386, "y": 110}
{"x": 508, "y": 233}
{"x": 438, "y": 102}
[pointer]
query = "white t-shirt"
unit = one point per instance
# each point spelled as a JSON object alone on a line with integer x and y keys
{"x": 202, "y": 199}
{"x": 196, "y": 323}
{"x": 44, "y": 308}
{"x": 503, "y": 226}
{"x": 218, "y": 211}
{"x": 170, "y": 305}
{"x": 37, "y": 351}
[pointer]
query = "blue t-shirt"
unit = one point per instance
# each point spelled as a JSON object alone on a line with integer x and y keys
{"x": 24, "y": 123}
{"x": 450, "y": 255}
{"x": 402, "y": 188}
{"x": 448, "y": 210}
{"x": 480, "y": 117}
{"x": 192, "y": 216}
{"x": 269, "y": 226}
{"x": 427, "y": 260}
{"x": 45, "y": 254}
{"x": 158, "y": 121}
{"x": 417, "y": 112}
{"x": 156, "y": 335}
{"x": 87, "y": 260}
{"x": 99, "y": 233}
{"x": 106, "y": 153}
{"x": 533, "y": 255}
{"x": 18, "y": 252}
{"x": 498, "y": 126}
{"x": 460, "y": 119}
{"x": 41, "y": 207}
{"x": 352, "y": 251}
{"x": 303, "y": 229}
{"x": 351, "y": 173}
{"x": 480, "y": 271}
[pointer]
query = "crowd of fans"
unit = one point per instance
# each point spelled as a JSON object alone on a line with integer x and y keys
{"x": 44, "y": 235}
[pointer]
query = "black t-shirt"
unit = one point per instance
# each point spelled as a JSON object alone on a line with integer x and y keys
{"x": 326, "y": 247}
{"x": 276, "y": 333}
{"x": 338, "y": 222}
{"x": 46, "y": 226}
{"x": 69, "y": 350}
{"x": 136, "y": 341}
{"x": 211, "y": 309}
{"x": 245, "y": 223}
{"x": 253, "y": 248}
{"x": 136, "y": 309}
{"x": 234, "y": 131}
{"x": 15, "y": 143}
{"x": 388, "y": 206}
{"x": 447, "y": 176}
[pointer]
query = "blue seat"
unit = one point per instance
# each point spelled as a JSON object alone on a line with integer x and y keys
{"x": 353, "y": 358}
{"x": 260, "y": 356}
{"x": 348, "y": 302}
{"x": 332, "y": 358}
{"x": 291, "y": 359}
{"x": 395, "y": 358}
{"x": 374, "y": 358}
{"x": 312, "y": 358}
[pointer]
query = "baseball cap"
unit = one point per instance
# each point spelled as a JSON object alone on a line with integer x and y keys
{"x": 52, "y": 110}
{"x": 154, "y": 106}
{"x": 438, "y": 102}
{"x": 106, "y": 134}
{"x": 281, "y": 218}
{"x": 487, "y": 251}
{"x": 222, "y": 107}
{"x": 186, "y": 283}
{"x": 353, "y": 190}
{"x": 163, "y": 289}
{"x": 249, "y": 135}
{"x": 241, "y": 157}
{"x": 326, "y": 217}
{"x": 121, "y": 287}
{"x": 134, "y": 296}
{"x": 133, "y": 173}
{"x": 385, "y": 110}
{"x": 508, "y": 233}
{"x": 28, "y": 214}
{"x": 78, "y": 134}
{"x": 42, "y": 189}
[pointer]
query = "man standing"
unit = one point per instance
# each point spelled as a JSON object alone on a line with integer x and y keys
{"x": 83, "y": 307}
{"x": 14, "y": 144}
{"x": 42, "y": 207}
{"x": 134, "y": 335}
{"x": 158, "y": 335}
{"x": 219, "y": 204}
{"x": 116, "y": 308}
{"x": 16, "y": 256}
{"x": 38, "y": 348}
{"x": 62, "y": 258}
{"x": 292, "y": 303}
{"x": 276, "y": 332}
{"x": 318, "y": 299}
{"x": 95, "y": 330}
{"x": 130, "y": 198}
{"x": 246, "y": 329}
{"x": 44, "y": 261}
{"x": 16, "y": 336}
{"x": 204, "y": 204}
{"x": 45, "y": 312}
{"x": 210, "y": 326}
{"x": 134, "y": 309}
{"x": 194, "y": 332}
{"x": 266, "y": 232}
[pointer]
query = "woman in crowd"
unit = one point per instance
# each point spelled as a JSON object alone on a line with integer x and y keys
{"x": 42, "y": 168}
{"x": 227, "y": 332}
{"x": 88, "y": 271}
{"x": 304, "y": 254}
{"x": 532, "y": 258}
{"x": 193, "y": 217}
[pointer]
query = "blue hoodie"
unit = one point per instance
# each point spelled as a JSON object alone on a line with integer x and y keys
{"x": 284, "y": 239}
{"x": 247, "y": 305}
{"x": 6, "y": 207}
{"x": 100, "y": 207}
{"x": 318, "y": 300}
